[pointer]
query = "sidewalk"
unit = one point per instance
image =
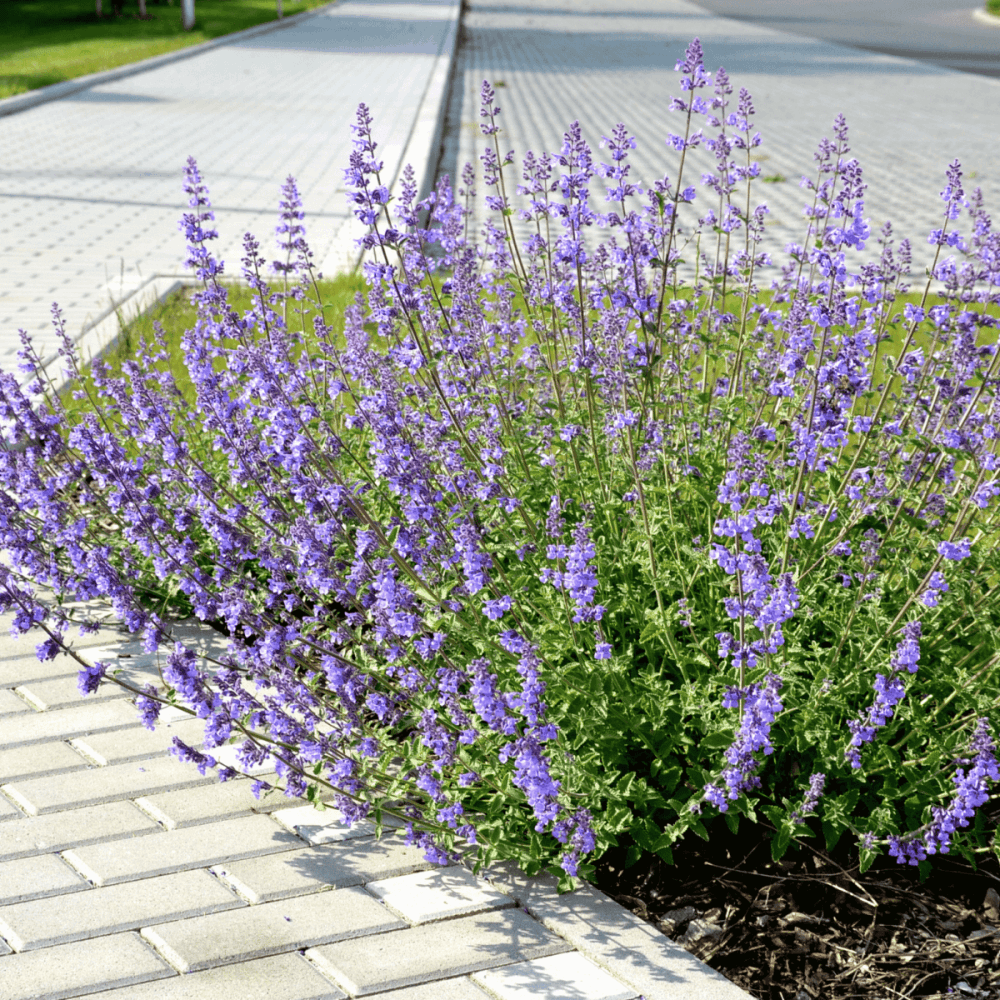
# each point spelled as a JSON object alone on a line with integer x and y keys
{"x": 90, "y": 185}
{"x": 607, "y": 61}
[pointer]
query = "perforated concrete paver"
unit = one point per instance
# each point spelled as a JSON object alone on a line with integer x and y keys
{"x": 569, "y": 976}
{"x": 41, "y": 923}
{"x": 281, "y": 977}
{"x": 435, "y": 951}
{"x": 27, "y": 835}
{"x": 293, "y": 873}
{"x": 39, "y": 760}
{"x": 104, "y": 784}
{"x": 438, "y": 894}
{"x": 177, "y": 850}
{"x": 37, "y": 877}
{"x": 257, "y": 931}
{"x": 70, "y": 970}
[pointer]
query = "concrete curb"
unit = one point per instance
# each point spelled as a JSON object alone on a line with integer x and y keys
{"x": 985, "y": 17}
{"x": 422, "y": 151}
{"x": 23, "y": 102}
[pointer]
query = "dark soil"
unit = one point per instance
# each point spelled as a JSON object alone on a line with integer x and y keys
{"x": 811, "y": 926}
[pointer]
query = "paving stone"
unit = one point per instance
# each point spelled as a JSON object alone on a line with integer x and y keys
{"x": 178, "y": 850}
{"x": 318, "y": 827}
{"x": 30, "y": 835}
{"x": 569, "y": 976}
{"x": 189, "y": 806}
{"x": 276, "y": 876}
{"x": 63, "y": 723}
{"x": 257, "y": 931}
{"x": 42, "y": 923}
{"x": 38, "y": 760}
{"x": 62, "y": 692}
{"x": 134, "y": 744}
{"x": 70, "y": 970}
{"x": 8, "y": 810}
{"x": 12, "y": 704}
{"x": 104, "y": 784}
{"x": 280, "y": 977}
{"x": 442, "y": 989}
{"x": 435, "y": 951}
{"x": 33, "y": 878}
{"x": 437, "y": 894}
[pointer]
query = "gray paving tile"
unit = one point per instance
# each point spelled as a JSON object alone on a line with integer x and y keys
{"x": 437, "y": 894}
{"x": 30, "y": 835}
{"x": 281, "y": 977}
{"x": 70, "y": 970}
{"x": 42, "y": 923}
{"x": 134, "y": 744}
{"x": 63, "y": 723}
{"x": 12, "y": 704}
{"x": 292, "y": 873}
{"x": 39, "y": 759}
{"x": 442, "y": 989}
{"x": 178, "y": 850}
{"x": 257, "y": 931}
{"x": 435, "y": 951}
{"x": 105, "y": 784}
{"x": 36, "y": 877}
{"x": 8, "y": 810}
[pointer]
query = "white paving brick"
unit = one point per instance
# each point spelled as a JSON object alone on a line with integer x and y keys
{"x": 437, "y": 894}
{"x": 12, "y": 704}
{"x": 42, "y": 923}
{"x": 38, "y": 760}
{"x": 206, "y": 803}
{"x": 178, "y": 850}
{"x": 276, "y": 876}
{"x": 558, "y": 977}
{"x": 422, "y": 954}
{"x": 134, "y": 744}
{"x": 8, "y": 810}
{"x": 280, "y": 977}
{"x": 29, "y": 835}
{"x": 62, "y": 692}
{"x": 63, "y": 723}
{"x": 33, "y": 878}
{"x": 442, "y": 989}
{"x": 257, "y": 931}
{"x": 104, "y": 784}
{"x": 70, "y": 970}
{"x": 321, "y": 827}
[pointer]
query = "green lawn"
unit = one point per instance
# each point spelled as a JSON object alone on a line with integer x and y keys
{"x": 48, "y": 41}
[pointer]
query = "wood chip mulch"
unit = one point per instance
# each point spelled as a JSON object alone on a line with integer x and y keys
{"x": 811, "y": 926}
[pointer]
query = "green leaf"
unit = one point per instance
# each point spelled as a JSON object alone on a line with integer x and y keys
{"x": 865, "y": 859}
{"x": 715, "y": 741}
{"x": 779, "y": 843}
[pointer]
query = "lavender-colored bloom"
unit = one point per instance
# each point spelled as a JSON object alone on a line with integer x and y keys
{"x": 816, "y": 784}
{"x": 89, "y": 678}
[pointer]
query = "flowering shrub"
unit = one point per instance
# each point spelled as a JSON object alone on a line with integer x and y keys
{"x": 572, "y": 538}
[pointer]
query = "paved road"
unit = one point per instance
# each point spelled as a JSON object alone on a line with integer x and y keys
{"x": 606, "y": 61}
{"x": 90, "y": 185}
{"x": 943, "y": 32}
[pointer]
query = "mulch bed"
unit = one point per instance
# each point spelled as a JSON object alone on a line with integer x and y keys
{"x": 811, "y": 926}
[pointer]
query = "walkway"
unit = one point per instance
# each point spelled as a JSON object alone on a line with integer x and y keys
{"x": 609, "y": 61}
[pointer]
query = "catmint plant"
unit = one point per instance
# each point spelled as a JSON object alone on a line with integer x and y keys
{"x": 585, "y": 529}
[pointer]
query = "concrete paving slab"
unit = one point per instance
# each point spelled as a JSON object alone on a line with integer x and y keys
{"x": 5, "y": 949}
{"x": 8, "y": 810}
{"x": 321, "y": 827}
{"x": 615, "y": 939}
{"x": 281, "y": 977}
{"x": 104, "y": 784}
{"x": 569, "y": 976}
{"x": 70, "y": 970}
{"x": 443, "y": 989}
{"x": 178, "y": 850}
{"x": 59, "y": 692}
{"x": 39, "y": 760}
{"x": 435, "y": 951}
{"x": 31, "y": 835}
{"x": 276, "y": 876}
{"x": 209, "y": 803}
{"x": 42, "y": 923}
{"x": 37, "y": 877}
{"x": 12, "y": 704}
{"x": 438, "y": 894}
{"x": 134, "y": 744}
{"x": 257, "y": 931}
{"x": 64, "y": 723}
